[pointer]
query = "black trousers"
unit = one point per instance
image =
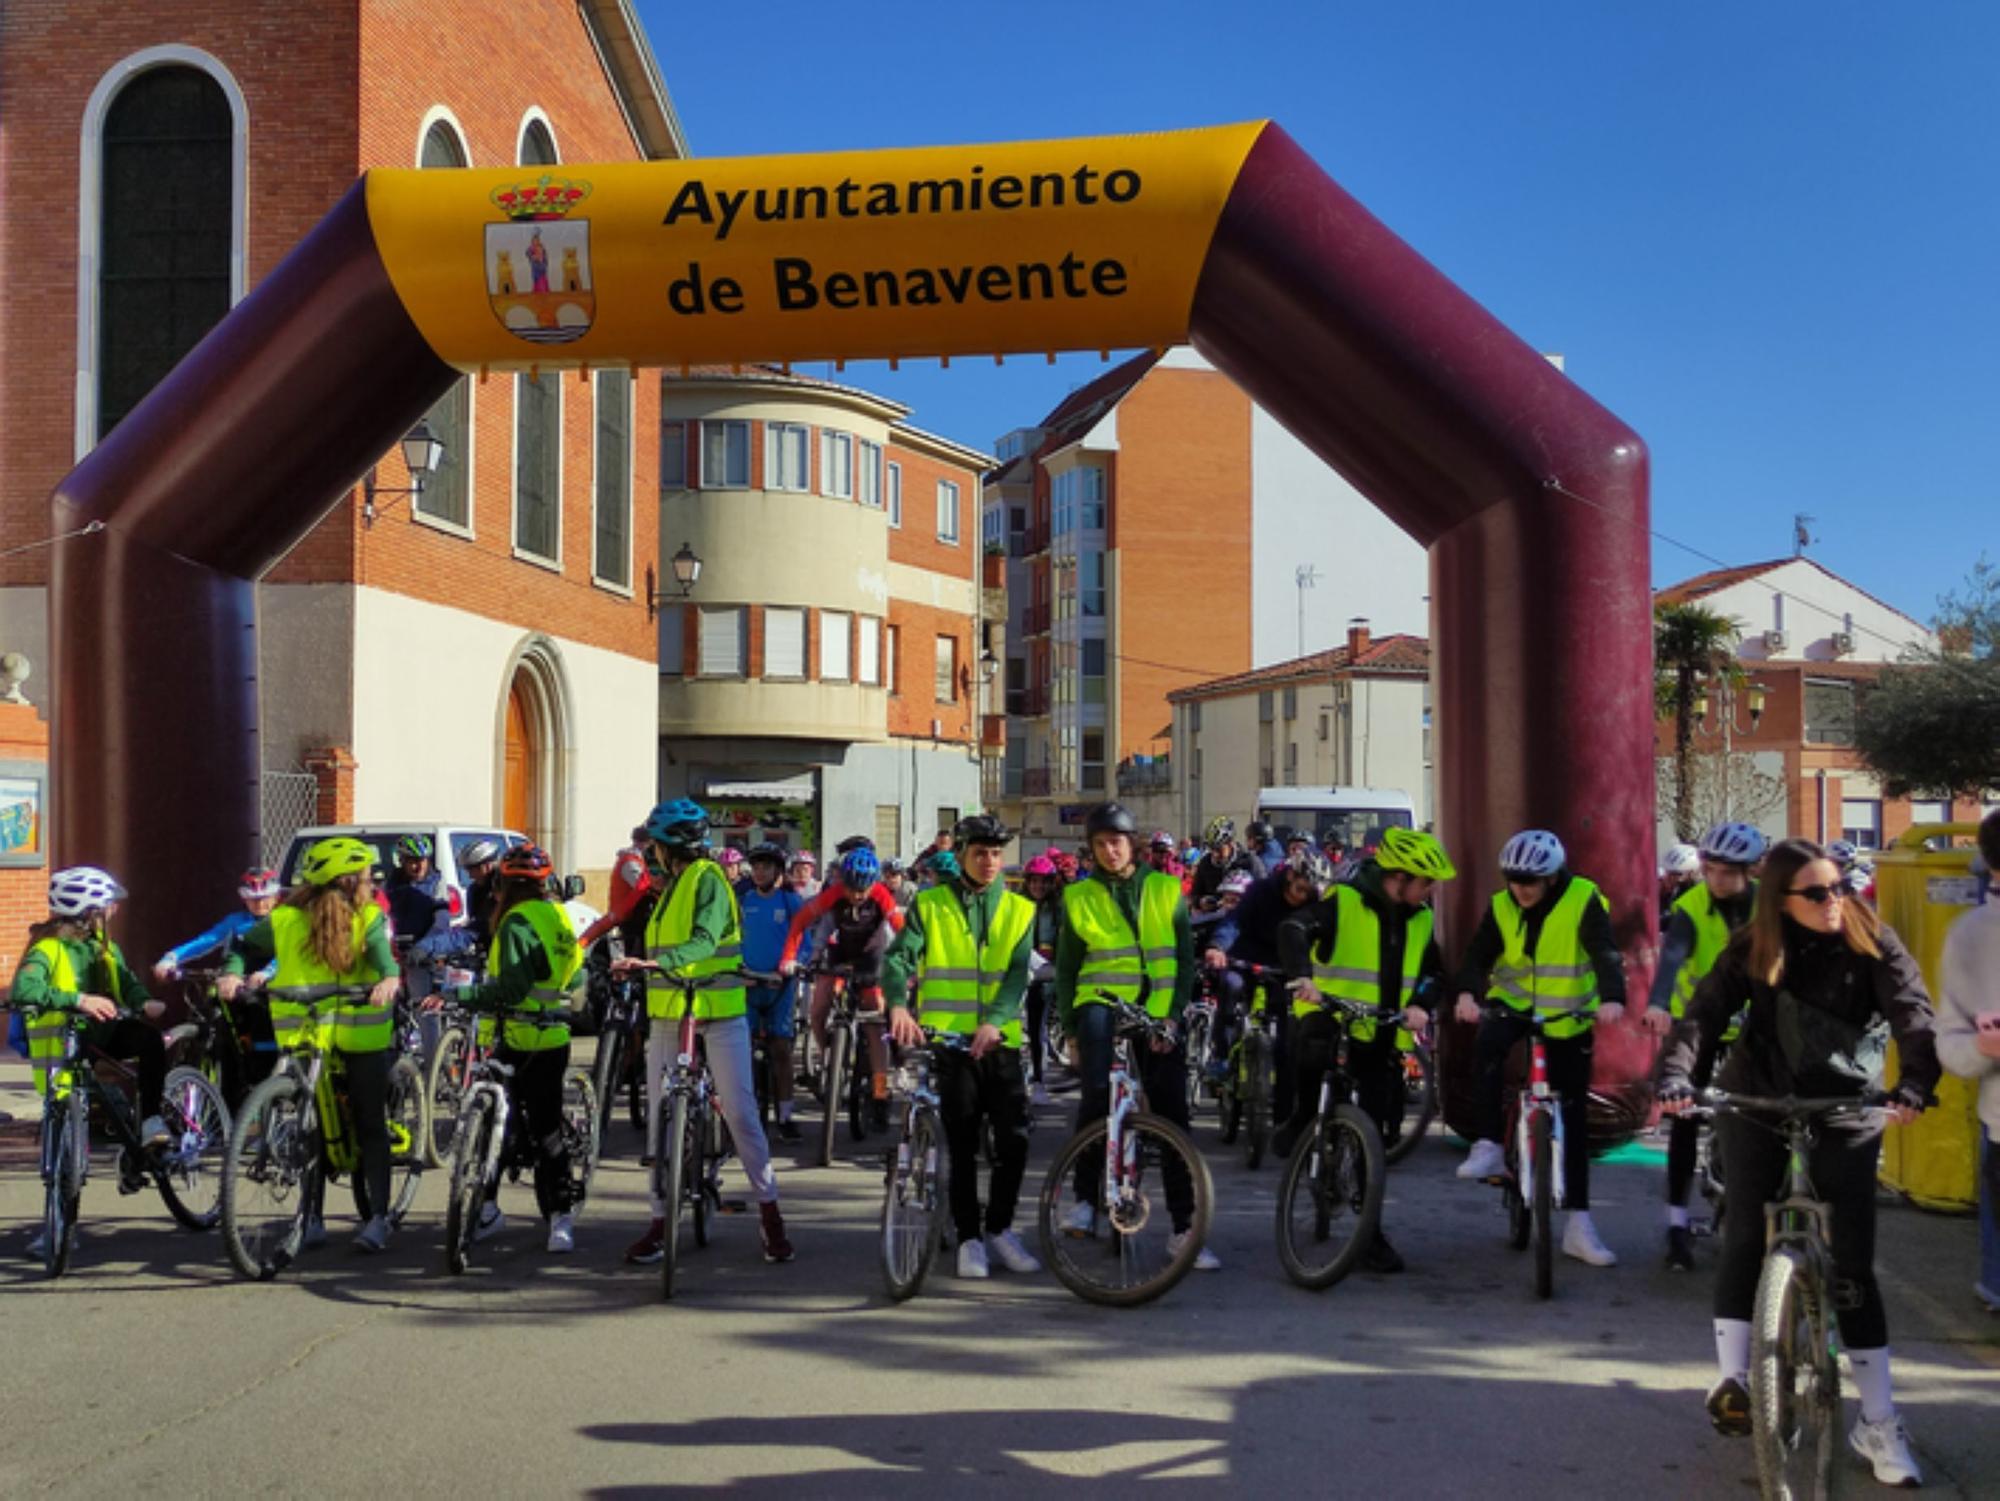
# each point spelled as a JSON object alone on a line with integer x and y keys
{"x": 969, "y": 1092}
{"x": 127, "y": 1037}
{"x": 1163, "y": 1077}
{"x": 1569, "y": 1076}
{"x": 537, "y": 1092}
{"x": 1684, "y": 1137}
{"x": 1034, "y": 1023}
{"x": 368, "y": 1104}
{"x": 1372, "y": 1064}
{"x": 1842, "y": 1166}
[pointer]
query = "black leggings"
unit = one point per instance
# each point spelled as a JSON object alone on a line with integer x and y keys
{"x": 1843, "y": 1171}
{"x": 537, "y": 1092}
{"x": 1684, "y": 1137}
{"x": 368, "y": 1104}
{"x": 1569, "y": 1076}
{"x": 1034, "y": 1018}
{"x": 130, "y": 1038}
{"x": 989, "y": 1089}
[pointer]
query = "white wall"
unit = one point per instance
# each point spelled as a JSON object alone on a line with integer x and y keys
{"x": 916, "y": 776}
{"x": 24, "y": 627}
{"x": 1816, "y": 604}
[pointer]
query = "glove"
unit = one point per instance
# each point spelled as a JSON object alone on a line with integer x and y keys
{"x": 1909, "y": 1097}
{"x": 1676, "y": 1090}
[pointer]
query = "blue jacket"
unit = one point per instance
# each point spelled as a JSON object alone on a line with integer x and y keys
{"x": 766, "y": 919}
{"x": 215, "y": 941}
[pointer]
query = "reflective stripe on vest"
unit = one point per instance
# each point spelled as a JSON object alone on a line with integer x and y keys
{"x": 958, "y": 982}
{"x": 358, "y": 1027}
{"x": 557, "y": 937}
{"x": 46, "y": 1027}
{"x": 671, "y": 925}
{"x": 1353, "y": 970}
{"x": 1558, "y": 980}
{"x": 1118, "y": 963}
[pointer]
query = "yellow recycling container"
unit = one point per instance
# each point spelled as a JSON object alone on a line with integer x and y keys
{"x": 1921, "y": 891}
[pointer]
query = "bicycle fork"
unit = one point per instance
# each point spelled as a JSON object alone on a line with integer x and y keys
{"x": 1539, "y": 1102}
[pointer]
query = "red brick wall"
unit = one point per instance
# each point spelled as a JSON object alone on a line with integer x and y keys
{"x": 24, "y": 890}
{"x": 915, "y": 542}
{"x": 915, "y": 705}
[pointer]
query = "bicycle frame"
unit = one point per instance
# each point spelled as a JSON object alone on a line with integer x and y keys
{"x": 1121, "y": 1146}
{"x": 1539, "y": 1099}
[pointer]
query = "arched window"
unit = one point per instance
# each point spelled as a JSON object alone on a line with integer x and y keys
{"x": 538, "y": 144}
{"x": 447, "y": 495}
{"x": 167, "y": 179}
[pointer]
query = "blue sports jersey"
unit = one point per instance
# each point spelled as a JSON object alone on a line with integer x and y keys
{"x": 766, "y": 919}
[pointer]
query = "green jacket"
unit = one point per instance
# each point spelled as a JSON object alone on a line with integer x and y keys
{"x": 258, "y": 948}
{"x": 711, "y": 921}
{"x": 1070, "y": 948}
{"x": 900, "y": 963}
{"x": 524, "y": 964}
{"x": 100, "y": 972}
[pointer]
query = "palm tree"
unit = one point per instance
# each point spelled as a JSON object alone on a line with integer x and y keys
{"x": 1692, "y": 647}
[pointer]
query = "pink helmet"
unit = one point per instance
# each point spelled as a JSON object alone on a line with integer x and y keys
{"x": 730, "y": 856}
{"x": 1041, "y": 865}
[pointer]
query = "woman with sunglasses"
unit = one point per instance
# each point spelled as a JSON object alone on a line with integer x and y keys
{"x": 1815, "y": 970}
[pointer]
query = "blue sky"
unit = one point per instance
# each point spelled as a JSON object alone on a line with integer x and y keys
{"x": 1763, "y": 233}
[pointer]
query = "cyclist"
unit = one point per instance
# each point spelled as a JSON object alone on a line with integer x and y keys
{"x": 1264, "y": 844}
{"x": 896, "y": 876}
{"x": 1300, "y": 853}
{"x": 1699, "y": 928}
{"x": 1125, "y": 933}
{"x": 1253, "y": 935}
{"x": 328, "y": 931}
{"x": 418, "y": 898}
{"x": 1222, "y": 859}
{"x": 1042, "y": 885}
{"x": 1854, "y": 868}
{"x": 853, "y": 920}
{"x": 1813, "y": 973}
{"x": 1163, "y": 857}
{"x": 802, "y": 874}
{"x": 696, "y": 930}
{"x": 258, "y": 889}
{"x": 533, "y": 963}
{"x": 634, "y": 885}
{"x": 481, "y": 864}
{"x": 1545, "y": 947}
{"x": 730, "y": 858}
{"x": 966, "y": 945}
{"x": 1680, "y": 872}
{"x": 768, "y": 907}
{"x": 1369, "y": 942}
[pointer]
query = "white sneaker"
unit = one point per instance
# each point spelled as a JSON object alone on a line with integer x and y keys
{"x": 1082, "y": 1220}
{"x": 1205, "y": 1260}
{"x": 1006, "y": 1248}
{"x": 491, "y": 1221}
{"x": 1580, "y": 1242}
{"x": 314, "y": 1236}
{"x": 1886, "y": 1447}
{"x": 1485, "y": 1160}
{"x": 562, "y": 1235}
{"x": 972, "y": 1259}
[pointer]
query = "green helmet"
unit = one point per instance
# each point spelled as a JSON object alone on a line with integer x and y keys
{"x": 330, "y": 859}
{"x": 1416, "y": 852}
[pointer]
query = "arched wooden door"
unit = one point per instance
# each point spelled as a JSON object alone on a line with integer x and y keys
{"x": 522, "y": 801}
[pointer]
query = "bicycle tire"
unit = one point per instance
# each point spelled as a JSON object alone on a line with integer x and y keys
{"x": 468, "y": 1183}
{"x": 1520, "y": 1224}
{"x": 1196, "y": 1059}
{"x": 637, "y": 1106}
{"x": 1543, "y": 1209}
{"x": 191, "y": 1187}
{"x": 911, "y": 1207}
{"x": 1792, "y": 1387}
{"x": 1258, "y": 1108}
{"x": 672, "y": 1168}
{"x": 838, "y": 1044}
{"x": 1076, "y": 1268}
{"x": 271, "y": 1155}
{"x": 860, "y": 1084}
{"x": 444, "y": 1087}
{"x": 1419, "y": 1111}
{"x": 701, "y": 1147}
{"x": 1229, "y": 1099}
{"x": 605, "y": 1076}
{"x": 409, "y": 1111}
{"x": 1321, "y": 1166}
{"x": 61, "y": 1194}
{"x": 581, "y": 1117}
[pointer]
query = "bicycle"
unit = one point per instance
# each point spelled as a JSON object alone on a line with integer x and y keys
{"x": 1416, "y": 1061}
{"x": 687, "y": 1144}
{"x": 1794, "y": 1371}
{"x": 1337, "y": 1173}
{"x": 1251, "y": 1080}
{"x": 487, "y": 1142}
{"x": 844, "y": 1085}
{"x": 296, "y": 1131}
{"x": 1120, "y": 1165}
{"x": 196, "y": 1119}
{"x": 448, "y": 1071}
{"x": 914, "y": 1194}
{"x": 216, "y": 1041}
{"x": 762, "y": 1072}
{"x": 1532, "y": 1187}
{"x": 1198, "y": 1026}
{"x": 620, "y": 1063}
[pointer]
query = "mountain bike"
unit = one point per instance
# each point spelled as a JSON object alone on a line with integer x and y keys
{"x": 217, "y": 1040}
{"x": 1139, "y": 1173}
{"x": 1416, "y": 1062}
{"x": 1532, "y": 1185}
{"x": 1330, "y": 1198}
{"x": 296, "y": 1131}
{"x": 915, "y": 1194}
{"x": 847, "y": 1086}
{"x": 490, "y": 1140}
{"x": 620, "y": 1065}
{"x": 449, "y": 1069}
{"x": 1198, "y": 1027}
{"x": 1794, "y": 1369}
{"x": 184, "y": 1171}
{"x": 762, "y": 1073}
{"x": 687, "y": 1142}
{"x": 1251, "y": 1081}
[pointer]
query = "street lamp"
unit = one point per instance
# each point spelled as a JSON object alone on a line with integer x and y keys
{"x": 1753, "y": 697}
{"x": 423, "y": 451}
{"x": 686, "y": 565}
{"x": 988, "y": 665}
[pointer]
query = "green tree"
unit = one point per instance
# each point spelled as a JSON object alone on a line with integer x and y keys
{"x": 1694, "y": 648}
{"x": 1931, "y": 726}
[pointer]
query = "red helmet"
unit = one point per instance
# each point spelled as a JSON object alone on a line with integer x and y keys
{"x": 256, "y": 883}
{"x": 527, "y": 862}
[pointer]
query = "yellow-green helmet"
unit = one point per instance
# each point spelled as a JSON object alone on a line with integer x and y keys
{"x": 330, "y": 859}
{"x": 1416, "y": 852}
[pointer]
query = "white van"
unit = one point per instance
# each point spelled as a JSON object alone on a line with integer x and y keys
{"x": 1354, "y": 816}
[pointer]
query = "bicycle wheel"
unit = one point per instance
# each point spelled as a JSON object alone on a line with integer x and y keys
{"x": 1794, "y": 1379}
{"x": 581, "y": 1119}
{"x": 1229, "y": 1098}
{"x": 469, "y": 1143}
{"x": 444, "y": 1086}
{"x": 1330, "y": 1199}
{"x": 703, "y": 1151}
{"x": 409, "y": 1129}
{"x": 1196, "y": 1056}
{"x": 1420, "y": 1102}
{"x": 62, "y": 1177}
{"x": 838, "y": 1042}
{"x": 1520, "y": 1224}
{"x": 1257, "y": 1105}
{"x": 269, "y": 1174}
{"x": 1138, "y": 1255}
{"x": 860, "y": 1084}
{"x": 911, "y": 1205}
{"x": 670, "y": 1166}
{"x": 189, "y": 1171}
{"x": 1543, "y": 1209}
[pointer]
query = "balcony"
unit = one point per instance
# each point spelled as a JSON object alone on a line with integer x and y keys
{"x": 1035, "y": 781}
{"x": 1036, "y": 618}
{"x": 1143, "y": 774}
{"x": 1034, "y": 703}
{"x": 993, "y": 570}
{"x": 993, "y": 731}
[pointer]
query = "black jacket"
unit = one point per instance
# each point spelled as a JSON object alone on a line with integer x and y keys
{"x": 1258, "y": 918}
{"x": 1315, "y": 927}
{"x": 1208, "y": 876}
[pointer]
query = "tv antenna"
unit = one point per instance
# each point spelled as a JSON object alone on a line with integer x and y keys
{"x": 1305, "y": 576}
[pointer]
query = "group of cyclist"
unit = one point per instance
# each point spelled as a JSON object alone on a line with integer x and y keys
{"x": 1777, "y": 974}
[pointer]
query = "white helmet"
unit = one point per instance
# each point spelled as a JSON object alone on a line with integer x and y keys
{"x": 1843, "y": 854}
{"x": 1682, "y": 860}
{"x": 82, "y": 889}
{"x": 1532, "y": 852}
{"x": 1733, "y": 844}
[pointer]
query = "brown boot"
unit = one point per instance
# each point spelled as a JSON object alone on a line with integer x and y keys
{"x": 776, "y": 1246}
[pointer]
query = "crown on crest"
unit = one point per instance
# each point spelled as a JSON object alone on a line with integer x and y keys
{"x": 547, "y": 197}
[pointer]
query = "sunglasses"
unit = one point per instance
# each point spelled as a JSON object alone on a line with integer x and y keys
{"x": 1527, "y": 880}
{"x": 1819, "y": 896}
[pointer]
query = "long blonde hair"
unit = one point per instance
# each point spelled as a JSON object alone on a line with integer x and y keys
{"x": 331, "y": 909}
{"x": 1765, "y": 932}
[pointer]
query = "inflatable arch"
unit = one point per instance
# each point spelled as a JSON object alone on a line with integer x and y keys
{"x": 1530, "y": 497}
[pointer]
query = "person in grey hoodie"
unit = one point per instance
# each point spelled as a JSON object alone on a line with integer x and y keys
{"x": 1968, "y": 1039}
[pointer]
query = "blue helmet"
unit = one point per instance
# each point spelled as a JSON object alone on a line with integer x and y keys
{"x": 860, "y": 869}
{"x": 679, "y": 824}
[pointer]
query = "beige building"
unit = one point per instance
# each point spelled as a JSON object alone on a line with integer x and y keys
{"x": 1356, "y": 716}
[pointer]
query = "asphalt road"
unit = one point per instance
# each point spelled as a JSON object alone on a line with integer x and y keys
{"x": 152, "y": 1366}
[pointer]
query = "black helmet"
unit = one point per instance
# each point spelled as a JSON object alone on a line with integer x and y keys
{"x": 853, "y": 842}
{"x": 767, "y": 851}
{"x": 1109, "y": 818}
{"x": 1259, "y": 830}
{"x": 981, "y": 828}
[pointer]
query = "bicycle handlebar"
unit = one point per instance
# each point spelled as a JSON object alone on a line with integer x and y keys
{"x": 1792, "y": 1107}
